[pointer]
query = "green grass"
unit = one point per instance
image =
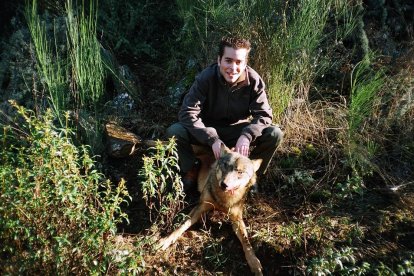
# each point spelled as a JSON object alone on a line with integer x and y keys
{"x": 85, "y": 55}
{"x": 366, "y": 85}
{"x": 51, "y": 64}
{"x": 296, "y": 49}
{"x": 73, "y": 77}
{"x": 77, "y": 75}
{"x": 289, "y": 39}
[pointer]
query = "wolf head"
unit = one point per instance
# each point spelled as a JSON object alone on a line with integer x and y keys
{"x": 235, "y": 171}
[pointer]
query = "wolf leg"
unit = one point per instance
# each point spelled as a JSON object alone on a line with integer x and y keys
{"x": 240, "y": 229}
{"x": 194, "y": 215}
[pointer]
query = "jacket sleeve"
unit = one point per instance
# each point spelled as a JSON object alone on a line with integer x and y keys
{"x": 189, "y": 114}
{"x": 260, "y": 111}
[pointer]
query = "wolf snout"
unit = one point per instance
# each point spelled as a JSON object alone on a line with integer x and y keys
{"x": 223, "y": 185}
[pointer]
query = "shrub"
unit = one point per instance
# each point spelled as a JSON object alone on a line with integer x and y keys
{"x": 58, "y": 213}
{"x": 161, "y": 183}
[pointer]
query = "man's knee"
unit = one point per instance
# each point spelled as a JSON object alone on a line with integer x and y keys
{"x": 273, "y": 134}
{"x": 177, "y": 130}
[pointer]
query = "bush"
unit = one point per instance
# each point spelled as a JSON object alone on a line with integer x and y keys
{"x": 162, "y": 188}
{"x": 58, "y": 213}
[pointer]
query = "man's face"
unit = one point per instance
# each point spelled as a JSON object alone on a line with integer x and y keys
{"x": 232, "y": 63}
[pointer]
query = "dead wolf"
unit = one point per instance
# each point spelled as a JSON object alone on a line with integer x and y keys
{"x": 223, "y": 186}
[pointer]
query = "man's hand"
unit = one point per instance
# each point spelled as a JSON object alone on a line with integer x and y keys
{"x": 242, "y": 145}
{"x": 216, "y": 147}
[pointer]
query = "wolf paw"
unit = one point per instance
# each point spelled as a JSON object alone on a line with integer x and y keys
{"x": 255, "y": 265}
{"x": 163, "y": 244}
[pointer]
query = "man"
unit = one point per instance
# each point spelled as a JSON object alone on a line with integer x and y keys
{"x": 227, "y": 104}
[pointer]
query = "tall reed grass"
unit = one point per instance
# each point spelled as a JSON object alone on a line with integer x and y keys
{"x": 73, "y": 78}
{"x": 298, "y": 46}
{"x": 85, "y": 55}
{"x": 51, "y": 64}
{"x": 76, "y": 76}
{"x": 366, "y": 84}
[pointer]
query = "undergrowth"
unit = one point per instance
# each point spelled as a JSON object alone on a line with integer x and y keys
{"x": 59, "y": 214}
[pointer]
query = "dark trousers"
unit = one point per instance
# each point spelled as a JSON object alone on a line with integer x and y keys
{"x": 264, "y": 147}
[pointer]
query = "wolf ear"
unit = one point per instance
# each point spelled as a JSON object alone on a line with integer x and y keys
{"x": 256, "y": 164}
{"x": 224, "y": 149}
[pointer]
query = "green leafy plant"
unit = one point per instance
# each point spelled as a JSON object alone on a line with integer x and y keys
{"x": 303, "y": 178}
{"x": 214, "y": 253}
{"x": 58, "y": 212}
{"x": 316, "y": 230}
{"x": 161, "y": 183}
{"x": 342, "y": 261}
{"x": 352, "y": 185}
{"x": 407, "y": 265}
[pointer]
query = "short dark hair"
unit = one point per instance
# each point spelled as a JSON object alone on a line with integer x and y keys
{"x": 234, "y": 42}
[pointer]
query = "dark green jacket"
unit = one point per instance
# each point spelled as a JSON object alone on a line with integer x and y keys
{"x": 211, "y": 102}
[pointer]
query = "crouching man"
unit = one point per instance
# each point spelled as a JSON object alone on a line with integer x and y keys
{"x": 227, "y": 104}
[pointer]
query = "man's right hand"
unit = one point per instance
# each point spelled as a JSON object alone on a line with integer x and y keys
{"x": 216, "y": 147}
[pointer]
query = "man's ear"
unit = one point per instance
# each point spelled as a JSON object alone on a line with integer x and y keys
{"x": 218, "y": 60}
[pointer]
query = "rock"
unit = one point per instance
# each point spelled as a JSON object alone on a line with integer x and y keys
{"x": 179, "y": 90}
{"x": 123, "y": 103}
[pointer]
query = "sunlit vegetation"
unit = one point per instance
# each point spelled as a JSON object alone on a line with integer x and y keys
{"x": 337, "y": 198}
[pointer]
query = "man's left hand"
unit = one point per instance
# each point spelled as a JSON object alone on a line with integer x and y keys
{"x": 242, "y": 145}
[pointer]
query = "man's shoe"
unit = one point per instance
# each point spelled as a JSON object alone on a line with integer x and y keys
{"x": 189, "y": 178}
